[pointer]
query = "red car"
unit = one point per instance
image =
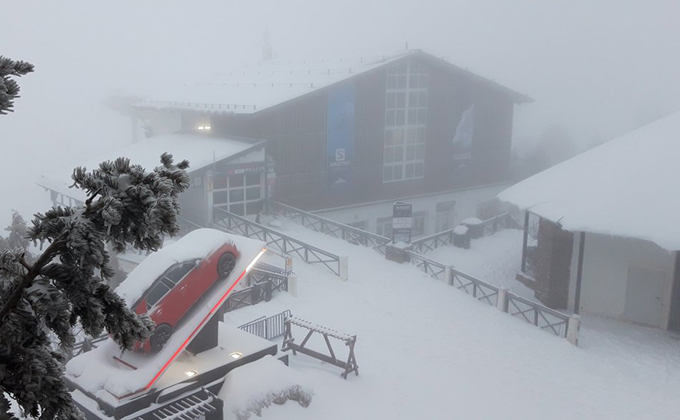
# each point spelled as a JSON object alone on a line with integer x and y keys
{"x": 178, "y": 289}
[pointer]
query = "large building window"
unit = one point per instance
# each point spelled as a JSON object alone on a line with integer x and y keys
{"x": 240, "y": 194}
{"x": 405, "y": 121}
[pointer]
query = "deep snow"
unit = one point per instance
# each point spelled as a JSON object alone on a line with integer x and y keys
{"x": 427, "y": 350}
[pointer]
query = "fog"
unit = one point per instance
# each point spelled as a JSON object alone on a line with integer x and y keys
{"x": 596, "y": 68}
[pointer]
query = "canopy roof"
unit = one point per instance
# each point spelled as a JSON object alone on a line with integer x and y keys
{"x": 199, "y": 150}
{"x": 627, "y": 187}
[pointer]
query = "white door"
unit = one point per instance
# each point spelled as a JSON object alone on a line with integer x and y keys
{"x": 643, "y": 296}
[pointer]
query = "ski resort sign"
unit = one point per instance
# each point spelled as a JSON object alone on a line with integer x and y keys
{"x": 402, "y": 221}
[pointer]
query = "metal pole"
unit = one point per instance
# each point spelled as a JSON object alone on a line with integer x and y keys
{"x": 526, "y": 237}
{"x": 579, "y": 274}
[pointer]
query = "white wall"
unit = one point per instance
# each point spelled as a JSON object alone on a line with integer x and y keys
{"x": 605, "y": 273}
{"x": 466, "y": 206}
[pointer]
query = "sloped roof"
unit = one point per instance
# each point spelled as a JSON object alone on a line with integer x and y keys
{"x": 627, "y": 187}
{"x": 260, "y": 86}
{"x": 199, "y": 150}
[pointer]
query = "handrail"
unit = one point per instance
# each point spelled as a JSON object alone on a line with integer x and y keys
{"x": 267, "y": 328}
{"x": 287, "y": 244}
{"x": 329, "y": 227}
{"x": 432, "y": 242}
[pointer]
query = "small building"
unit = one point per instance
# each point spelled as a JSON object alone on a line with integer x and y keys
{"x": 225, "y": 173}
{"x": 601, "y": 229}
{"x": 352, "y": 131}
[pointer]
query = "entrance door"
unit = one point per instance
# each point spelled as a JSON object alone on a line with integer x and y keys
{"x": 643, "y": 296}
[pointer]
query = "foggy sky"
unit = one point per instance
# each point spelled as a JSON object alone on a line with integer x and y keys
{"x": 599, "y": 68}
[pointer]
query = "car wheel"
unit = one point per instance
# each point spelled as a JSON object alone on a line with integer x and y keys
{"x": 160, "y": 336}
{"x": 225, "y": 265}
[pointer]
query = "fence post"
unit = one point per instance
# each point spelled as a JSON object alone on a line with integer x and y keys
{"x": 268, "y": 291}
{"x": 448, "y": 275}
{"x": 343, "y": 268}
{"x": 573, "y": 328}
{"x": 293, "y": 284}
{"x": 502, "y": 301}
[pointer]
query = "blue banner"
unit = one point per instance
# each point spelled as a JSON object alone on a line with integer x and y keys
{"x": 340, "y": 136}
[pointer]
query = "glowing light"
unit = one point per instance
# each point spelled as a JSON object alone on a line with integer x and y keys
{"x": 191, "y": 373}
{"x": 236, "y": 355}
{"x": 201, "y": 128}
{"x": 254, "y": 261}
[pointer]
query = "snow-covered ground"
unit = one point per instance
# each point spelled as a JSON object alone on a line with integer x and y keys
{"x": 426, "y": 350}
{"x": 494, "y": 259}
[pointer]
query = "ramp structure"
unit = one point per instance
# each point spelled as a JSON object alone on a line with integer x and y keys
{"x": 120, "y": 384}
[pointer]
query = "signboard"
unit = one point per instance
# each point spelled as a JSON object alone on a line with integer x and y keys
{"x": 402, "y": 221}
{"x": 246, "y": 168}
{"x": 340, "y": 136}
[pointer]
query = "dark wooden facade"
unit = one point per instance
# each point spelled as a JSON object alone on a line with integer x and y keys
{"x": 296, "y": 131}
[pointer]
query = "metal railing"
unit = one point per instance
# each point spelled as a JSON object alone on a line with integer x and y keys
{"x": 496, "y": 223}
{"x": 428, "y": 266}
{"x": 534, "y": 313}
{"x": 543, "y": 317}
{"x": 329, "y": 227}
{"x": 481, "y": 290}
{"x": 432, "y": 242}
{"x": 267, "y": 328}
{"x": 310, "y": 254}
{"x": 258, "y": 292}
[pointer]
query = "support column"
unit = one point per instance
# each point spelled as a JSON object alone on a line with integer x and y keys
{"x": 526, "y": 239}
{"x": 573, "y": 328}
{"x": 579, "y": 274}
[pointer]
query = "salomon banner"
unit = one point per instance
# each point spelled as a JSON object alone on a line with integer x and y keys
{"x": 462, "y": 139}
{"x": 340, "y": 140}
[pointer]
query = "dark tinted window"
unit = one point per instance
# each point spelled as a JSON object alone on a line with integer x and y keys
{"x": 177, "y": 273}
{"x": 156, "y": 293}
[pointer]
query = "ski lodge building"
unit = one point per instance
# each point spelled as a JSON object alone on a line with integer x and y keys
{"x": 342, "y": 137}
{"x": 602, "y": 233}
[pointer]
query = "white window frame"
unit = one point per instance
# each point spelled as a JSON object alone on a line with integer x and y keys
{"x": 406, "y": 100}
{"x": 244, "y": 188}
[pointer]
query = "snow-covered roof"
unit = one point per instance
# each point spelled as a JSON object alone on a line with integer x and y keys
{"x": 626, "y": 187}
{"x": 199, "y": 150}
{"x": 265, "y": 84}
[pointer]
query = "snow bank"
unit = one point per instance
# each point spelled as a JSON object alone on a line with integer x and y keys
{"x": 250, "y": 388}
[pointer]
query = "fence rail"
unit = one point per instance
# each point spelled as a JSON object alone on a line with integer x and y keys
{"x": 485, "y": 228}
{"x": 329, "y": 227}
{"x": 479, "y": 289}
{"x": 258, "y": 292}
{"x": 432, "y": 242}
{"x": 544, "y": 318}
{"x": 428, "y": 266}
{"x": 267, "y": 328}
{"x": 496, "y": 223}
{"x": 310, "y": 254}
{"x": 534, "y": 313}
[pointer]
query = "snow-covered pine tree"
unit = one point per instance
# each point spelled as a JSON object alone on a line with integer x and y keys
{"x": 17, "y": 239}
{"x": 66, "y": 283}
{"x": 9, "y": 89}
